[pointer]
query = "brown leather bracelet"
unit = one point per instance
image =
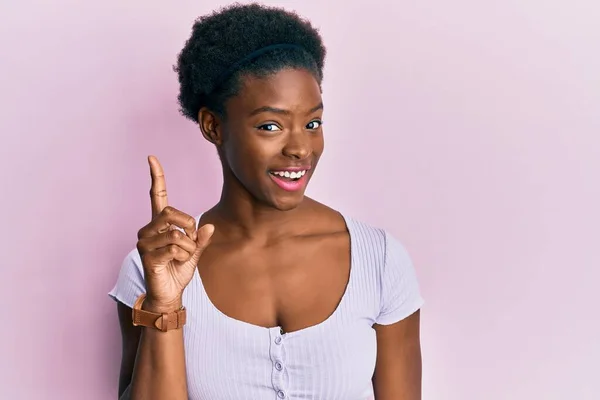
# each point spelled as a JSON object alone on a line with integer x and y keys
{"x": 163, "y": 322}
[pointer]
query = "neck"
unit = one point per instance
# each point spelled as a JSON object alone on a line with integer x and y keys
{"x": 243, "y": 216}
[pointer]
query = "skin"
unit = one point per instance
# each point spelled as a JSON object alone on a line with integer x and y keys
{"x": 285, "y": 255}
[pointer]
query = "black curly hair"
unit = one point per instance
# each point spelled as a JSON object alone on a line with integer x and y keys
{"x": 209, "y": 67}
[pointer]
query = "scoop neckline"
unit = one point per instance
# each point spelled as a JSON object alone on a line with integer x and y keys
{"x": 261, "y": 328}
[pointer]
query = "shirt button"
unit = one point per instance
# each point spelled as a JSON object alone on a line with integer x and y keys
{"x": 278, "y": 340}
{"x": 281, "y": 394}
{"x": 278, "y": 366}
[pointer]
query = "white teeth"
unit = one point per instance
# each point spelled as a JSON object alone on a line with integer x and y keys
{"x": 288, "y": 174}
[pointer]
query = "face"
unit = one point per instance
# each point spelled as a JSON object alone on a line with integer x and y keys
{"x": 272, "y": 138}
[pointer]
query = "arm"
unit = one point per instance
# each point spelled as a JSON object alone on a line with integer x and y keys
{"x": 398, "y": 368}
{"x": 168, "y": 250}
{"x": 130, "y": 338}
{"x": 153, "y": 362}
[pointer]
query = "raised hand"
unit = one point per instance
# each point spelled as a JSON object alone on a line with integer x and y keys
{"x": 169, "y": 255}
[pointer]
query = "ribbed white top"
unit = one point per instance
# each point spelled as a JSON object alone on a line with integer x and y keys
{"x": 227, "y": 359}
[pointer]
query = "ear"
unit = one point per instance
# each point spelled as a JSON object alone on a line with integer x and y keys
{"x": 210, "y": 125}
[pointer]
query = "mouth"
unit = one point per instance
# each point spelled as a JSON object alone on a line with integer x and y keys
{"x": 290, "y": 180}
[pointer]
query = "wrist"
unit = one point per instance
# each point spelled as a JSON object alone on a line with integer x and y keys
{"x": 163, "y": 316}
{"x": 162, "y": 307}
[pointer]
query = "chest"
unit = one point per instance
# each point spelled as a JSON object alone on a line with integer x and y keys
{"x": 293, "y": 284}
{"x": 227, "y": 360}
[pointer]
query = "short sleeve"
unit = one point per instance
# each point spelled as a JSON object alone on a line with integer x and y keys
{"x": 400, "y": 293}
{"x": 130, "y": 283}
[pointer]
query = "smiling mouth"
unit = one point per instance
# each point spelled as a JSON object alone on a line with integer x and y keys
{"x": 289, "y": 176}
{"x": 290, "y": 181}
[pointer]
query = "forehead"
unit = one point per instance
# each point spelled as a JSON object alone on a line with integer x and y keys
{"x": 289, "y": 89}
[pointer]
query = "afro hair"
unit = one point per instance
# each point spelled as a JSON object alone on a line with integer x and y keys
{"x": 220, "y": 40}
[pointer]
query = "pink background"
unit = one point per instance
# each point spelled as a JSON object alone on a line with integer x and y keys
{"x": 470, "y": 129}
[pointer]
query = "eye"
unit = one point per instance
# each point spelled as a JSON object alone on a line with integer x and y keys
{"x": 314, "y": 124}
{"x": 269, "y": 127}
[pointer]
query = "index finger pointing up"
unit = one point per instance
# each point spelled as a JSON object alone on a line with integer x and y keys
{"x": 158, "y": 190}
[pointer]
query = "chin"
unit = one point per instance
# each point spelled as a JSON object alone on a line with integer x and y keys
{"x": 286, "y": 203}
{"x": 283, "y": 197}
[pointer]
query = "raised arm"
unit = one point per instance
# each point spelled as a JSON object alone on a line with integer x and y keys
{"x": 154, "y": 360}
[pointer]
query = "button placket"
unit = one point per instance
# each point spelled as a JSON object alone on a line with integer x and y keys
{"x": 277, "y": 359}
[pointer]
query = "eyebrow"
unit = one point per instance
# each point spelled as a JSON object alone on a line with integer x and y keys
{"x": 282, "y": 111}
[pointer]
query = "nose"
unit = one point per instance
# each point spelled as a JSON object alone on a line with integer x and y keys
{"x": 298, "y": 145}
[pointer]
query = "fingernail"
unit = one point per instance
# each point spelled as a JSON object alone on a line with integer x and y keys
{"x": 210, "y": 229}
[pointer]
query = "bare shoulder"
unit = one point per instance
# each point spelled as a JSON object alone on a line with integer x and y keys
{"x": 324, "y": 220}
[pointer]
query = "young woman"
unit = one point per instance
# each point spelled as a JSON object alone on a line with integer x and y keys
{"x": 269, "y": 294}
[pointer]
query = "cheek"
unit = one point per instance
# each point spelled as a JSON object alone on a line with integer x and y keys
{"x": 318, "y": 145}
{"x": 248, "y": 155}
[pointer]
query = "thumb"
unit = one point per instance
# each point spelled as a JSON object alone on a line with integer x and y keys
{"x": 204, "y": 234}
